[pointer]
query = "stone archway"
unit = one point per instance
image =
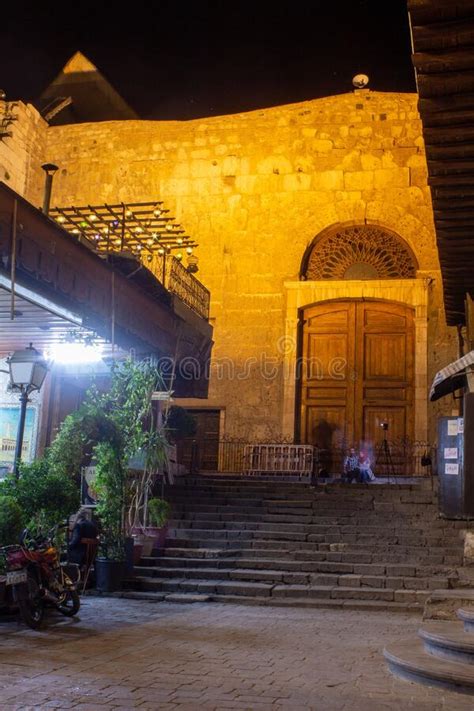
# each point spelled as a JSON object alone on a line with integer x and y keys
{"x": 359, "y": 264}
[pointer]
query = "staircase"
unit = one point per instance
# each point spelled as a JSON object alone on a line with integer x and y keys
{"x": 355, "y": 546}
{"x": 442, "y": 655}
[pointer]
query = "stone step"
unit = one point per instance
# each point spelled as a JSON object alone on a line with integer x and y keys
{"x": 294, "y": 577}
{"x": 202, "y": 586}
{"x": 350, "y": 520}
{"x": 382, "y": 529}
{"x": 276, "y": 591}
{"x": 325, "y": 567}
{"x": 409, "y": 659}
{"x": 215, "y": 539}
{"x": 467, "y": 618}
{"x": 448, "y": 640}
{"x": 345, "y": 556}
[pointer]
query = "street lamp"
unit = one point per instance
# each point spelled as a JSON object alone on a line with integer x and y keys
{"x": 28, "y": 370}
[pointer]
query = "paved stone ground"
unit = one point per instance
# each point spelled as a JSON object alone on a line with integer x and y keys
{"x": 124, "y": 654}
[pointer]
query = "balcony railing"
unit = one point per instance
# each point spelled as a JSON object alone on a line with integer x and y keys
{"x": 176, "y": 278}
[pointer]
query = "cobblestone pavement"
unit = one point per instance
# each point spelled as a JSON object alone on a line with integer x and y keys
{"x": 124, "y": 654}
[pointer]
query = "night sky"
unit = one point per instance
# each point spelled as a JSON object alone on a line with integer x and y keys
{"x": 184, "y": 59}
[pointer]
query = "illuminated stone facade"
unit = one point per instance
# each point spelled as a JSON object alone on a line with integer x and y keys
{"x": 255, "y": 189}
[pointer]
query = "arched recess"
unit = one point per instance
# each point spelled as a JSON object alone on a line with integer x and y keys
{"x": 355, "y": 252}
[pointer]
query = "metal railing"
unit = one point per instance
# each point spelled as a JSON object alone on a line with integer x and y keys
{"x": 405, "y": 458}
{"x": 176, "y": 278}
{"x": 396, "y": 458}
{"x": 283, "y": 459}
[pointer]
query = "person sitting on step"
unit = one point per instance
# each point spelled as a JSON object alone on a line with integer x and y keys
{"x": 351, "y": 467}
{"x": 366, "y": 474}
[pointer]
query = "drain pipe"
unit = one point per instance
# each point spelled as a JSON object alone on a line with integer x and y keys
{"x": 49, "y": 169}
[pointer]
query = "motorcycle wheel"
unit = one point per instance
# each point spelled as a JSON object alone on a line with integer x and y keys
{"x": 32, "y": 608}
{"x": 70, "y": 604}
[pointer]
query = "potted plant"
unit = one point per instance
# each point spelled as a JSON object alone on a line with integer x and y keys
{"x": 110, "y": 482}
{"x": 158, "y": 511}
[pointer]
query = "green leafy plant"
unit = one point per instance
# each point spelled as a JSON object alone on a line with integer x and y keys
{"x": 110, "y": 485}
{"x": 11, "y": 520}
{"x": 40, "y": 491}
{"x": 159, "y": 511}
{"x": 180, "y": 424}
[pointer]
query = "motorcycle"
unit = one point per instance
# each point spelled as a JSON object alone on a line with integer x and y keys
{"x": 37, "y": 578}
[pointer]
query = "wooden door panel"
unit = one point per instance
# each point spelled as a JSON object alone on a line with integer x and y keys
{"x": 326, "y": 426}
{"x": 327, "y": 387}
{"x": 327, "y": 356}
{"x": 385, "y": 356}
{"x": 379, "y": 319}
{"x": 375, "y": 416}
{"x": 332, "y": 319}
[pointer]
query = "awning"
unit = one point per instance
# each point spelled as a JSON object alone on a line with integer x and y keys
{"x": 452, "y": 377}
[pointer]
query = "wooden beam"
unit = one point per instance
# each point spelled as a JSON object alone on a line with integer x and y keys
{"x": 445, "y": 61}
{"x": 443, "y": 35}
{"x": 450, "y": 167}
{"x": 448, "y": 118}
{"x": 447, "y": 206}
{"x": 445, "y": 83}
{"x": 447, "y": 151}
{"x": 452, "y": 193}
{"x": 455, "y": 102}
{"x": 449, "y": 134}
{"x": 451, "y": 180}
{"x": 427, "y": 11}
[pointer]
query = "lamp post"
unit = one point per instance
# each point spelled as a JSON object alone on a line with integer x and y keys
{"x": 28, "y": 370}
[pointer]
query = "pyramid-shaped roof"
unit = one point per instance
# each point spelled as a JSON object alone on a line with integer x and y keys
{"x": 80, "y": 93}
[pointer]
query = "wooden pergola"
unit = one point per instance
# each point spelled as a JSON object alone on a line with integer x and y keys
{"x": 443, "y": 57}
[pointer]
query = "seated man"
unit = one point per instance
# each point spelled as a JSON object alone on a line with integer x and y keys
{"x": 351, "y": 467}
{"x": 83, "y": 538}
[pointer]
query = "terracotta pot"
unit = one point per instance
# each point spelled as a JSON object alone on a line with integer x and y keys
{"x": 158, "y": 535}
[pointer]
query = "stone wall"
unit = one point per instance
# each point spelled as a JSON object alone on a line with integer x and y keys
{"x": 22, "y": 154}
{"x": 254, "y": 189}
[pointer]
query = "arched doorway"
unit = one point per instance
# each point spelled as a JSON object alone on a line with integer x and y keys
{"x": 356, "y": 356}
{"x": 357, "y": 373}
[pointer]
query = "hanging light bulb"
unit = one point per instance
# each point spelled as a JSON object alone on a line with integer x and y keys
{"x": 157, "y": 212}
{"x": 179, "y": 240}
{"x": 179, "y": 256}
{"x": 75, "y": 231}
{"x": 149, "y": 241}
{"x": 169, "y": 227}
{"x": 92, "y": 218}
{"x": 161, "y": 251}
{"x": 61, "y": 218}
{"x": 128, "y": 213}
{"x": 189, "y": 250}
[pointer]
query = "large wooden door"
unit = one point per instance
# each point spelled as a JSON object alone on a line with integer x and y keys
{"x": 357, "y": 372}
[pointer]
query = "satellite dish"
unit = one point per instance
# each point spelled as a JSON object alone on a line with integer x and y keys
{"x": 360, "y": 81}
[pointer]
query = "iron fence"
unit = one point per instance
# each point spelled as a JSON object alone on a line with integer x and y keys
{"x": 397, "y": 458}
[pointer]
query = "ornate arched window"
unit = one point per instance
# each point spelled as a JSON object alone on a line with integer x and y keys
{"x": 359, "y": 252}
